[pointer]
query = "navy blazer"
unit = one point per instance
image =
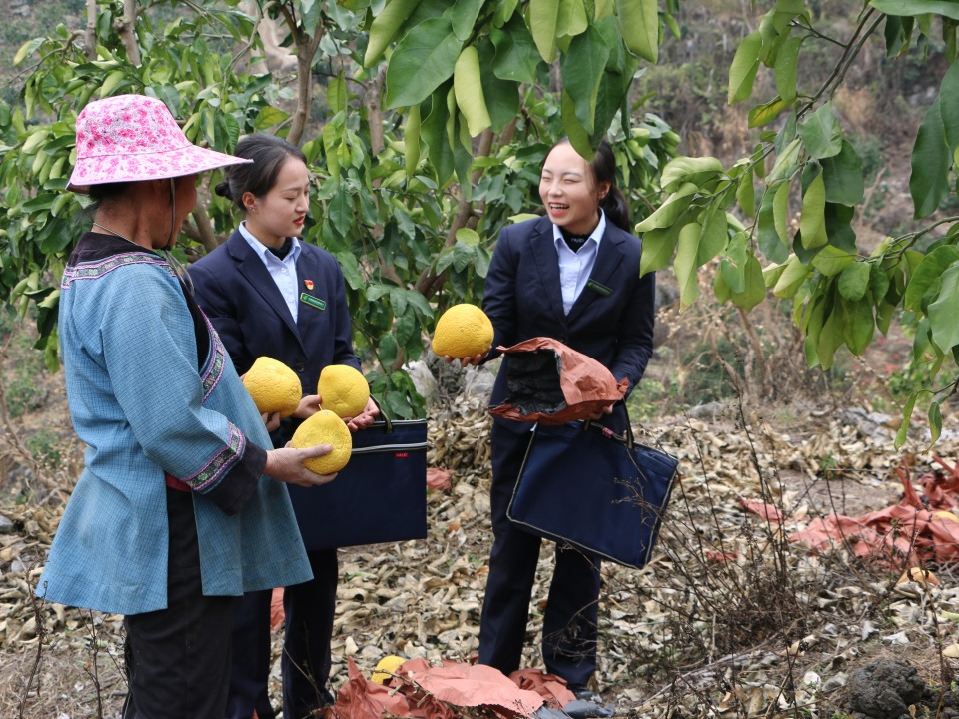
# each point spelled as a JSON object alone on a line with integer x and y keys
{"x": 237, "y": 293}
{"x": 611, "y": 320}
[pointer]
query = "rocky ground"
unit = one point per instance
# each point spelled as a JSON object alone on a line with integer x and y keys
{"x": 730, "y": 619}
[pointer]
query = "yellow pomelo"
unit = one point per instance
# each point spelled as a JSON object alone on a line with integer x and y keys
{"x": 343, "y": 389}
{"x": 463, "y": 331}
{"x": 273, "y": 386}
{"x": 386, "y": 668}
{"x": 325, "y": 427}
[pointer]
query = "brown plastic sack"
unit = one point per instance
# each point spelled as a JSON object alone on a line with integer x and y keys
{"x": 548, "y": 382}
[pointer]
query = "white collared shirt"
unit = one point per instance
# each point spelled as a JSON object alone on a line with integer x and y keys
{"x": 575, "y": 267}
{"x": 282, "y": 271}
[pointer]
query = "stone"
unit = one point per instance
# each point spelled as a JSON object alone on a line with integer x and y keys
{"x": 883, "y": 689}
{"x": 6, "y": 524}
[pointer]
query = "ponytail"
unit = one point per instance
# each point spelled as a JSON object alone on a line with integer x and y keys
{"x": 604, "y": 170}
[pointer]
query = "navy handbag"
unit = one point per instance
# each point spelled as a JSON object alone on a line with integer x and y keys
{"x": 582, "y": 484}
{"x": 380, "y": 496}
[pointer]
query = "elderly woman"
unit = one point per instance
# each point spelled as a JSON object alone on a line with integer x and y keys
{"x": 180, "y": 507}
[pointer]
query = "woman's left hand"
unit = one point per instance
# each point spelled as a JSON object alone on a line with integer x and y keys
{"x": 309, "y": 405}
{"x": 271, "y": 420}
{"x": 365, "y": 418}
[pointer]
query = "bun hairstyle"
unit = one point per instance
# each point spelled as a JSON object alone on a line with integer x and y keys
{"x": 614, "y": 204}
{"x": 268, "y": 153}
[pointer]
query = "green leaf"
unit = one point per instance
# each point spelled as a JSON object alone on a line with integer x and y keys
{"x": 917, "y": 7}
{"x": 421, "y": 62}
{"x": 268, "y": 117}
{"x": 927, "y": 275}
{"x": 949, "y": 106}
{"x": 764, "y": 114}
{"x": 681, "y": 170}
{"x": 463, "y": 16}
{"x": 571, "y": 20}
{"x": 906, "y": 420}
{"x": 684, "y": 264}
{"x": 517, "y": 58}
{"x": 830, "y": 260}
{"x": 658, "y": 248}
{"x": 742, "y": 72}
{"x": 27, "y": 49}
{"x": 935, "y": 422}
{"x": 812, "y": 224}
{"x": 437, "y": 141}
{"x": 771, "y": 244}
{"x": 791, "y": 278}
{"x": 878, "y": 282}
{"x": 786, "y": 162}
{"x": 667, "y": 213}
{"x": 787, "y": 59}
{"x": 746, "y": 193}
{"x": 859, "y": 326}
{"x": 897, "y": 34}
{"x": 543, "y": 17}
{"x": 854, "y": 281}
{"x": 781, "y": 213}
{"x": 943, "y": 313}
{"x": 754, "y": 287}
{"x": 337, "y": 96}
{"x": 830, "y": 338}
{"x": 713, "y": 240}
{"x": 639, "y": 23}
{"x": 501, "y": 96}
{"x": 931, "y": 158}
{"x": 821, "y": 134}
{"x": 582, "y": 67}
{"x": 842, "y": 175}
{"x": 577, "y": 134}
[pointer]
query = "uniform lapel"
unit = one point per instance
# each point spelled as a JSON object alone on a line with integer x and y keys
{"x": 541, "y": 244}
{"x": 608, "y": 258}
{"x": 255, "y": 273}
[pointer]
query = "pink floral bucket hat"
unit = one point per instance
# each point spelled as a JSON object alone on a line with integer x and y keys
{"x": 130, "y": 138}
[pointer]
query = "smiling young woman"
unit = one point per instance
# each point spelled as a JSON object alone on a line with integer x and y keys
{"x": 572, "y": 275}
{"x": 268, "y": 293}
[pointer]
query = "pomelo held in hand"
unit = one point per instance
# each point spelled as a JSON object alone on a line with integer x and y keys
{"x": 343, "y": 389}
{"x": 463, "y": 331}
{"x": 325, "y": 427}
{"x": 273, "y": 386}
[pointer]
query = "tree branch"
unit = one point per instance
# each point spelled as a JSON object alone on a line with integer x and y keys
{"x": 126, "y": 29}
{"x": 306, "y": 47}
{"x": 90, "y": 36}
{"x": 204, "y": 227}
{"x": 374, "y": 111}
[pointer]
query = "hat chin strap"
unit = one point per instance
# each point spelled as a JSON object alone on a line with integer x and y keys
{"x": 172, "y": 238}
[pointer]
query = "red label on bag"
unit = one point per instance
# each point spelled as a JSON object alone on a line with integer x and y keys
{"x": 401, "y": 455}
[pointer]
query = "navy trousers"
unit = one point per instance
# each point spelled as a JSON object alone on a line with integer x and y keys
{"x": 569, "y": 623}
{"x": 306, "y": 660}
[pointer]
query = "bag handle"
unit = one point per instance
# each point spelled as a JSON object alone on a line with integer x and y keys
{"x": 383, "y": 415}
{"x": 626, "y": 438}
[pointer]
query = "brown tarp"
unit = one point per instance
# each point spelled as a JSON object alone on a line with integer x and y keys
{"x": 548, "y": 382}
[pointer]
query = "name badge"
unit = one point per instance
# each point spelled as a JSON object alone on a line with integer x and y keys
{"x": 312, "y": 301}
{"x": 599, "y": 289}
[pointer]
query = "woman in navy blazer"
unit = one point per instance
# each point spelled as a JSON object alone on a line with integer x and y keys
{"x": 268, "y": 294}
{"x": 572, "y": 275}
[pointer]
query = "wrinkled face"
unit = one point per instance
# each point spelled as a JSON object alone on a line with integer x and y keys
{"x": 281, "y": 212}
{"x": 569, "y": 190}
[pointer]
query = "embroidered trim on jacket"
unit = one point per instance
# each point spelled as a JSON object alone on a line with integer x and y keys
{"x": 216, "y": 361}
{"x": 222, "y": 462}
{"x": 100, "y": 268}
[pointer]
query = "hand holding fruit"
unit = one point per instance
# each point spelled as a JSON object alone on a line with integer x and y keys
{"x": 465, "y": 333}
{"x": 365, "y": 418}
{"x": 291, "y": 465}
{"x": 309, "y": 405}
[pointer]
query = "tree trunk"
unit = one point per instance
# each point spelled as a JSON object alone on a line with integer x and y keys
{"x": 306, "y": 47}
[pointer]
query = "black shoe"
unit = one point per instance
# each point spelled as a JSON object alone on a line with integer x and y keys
{"x": 588, "y": 704}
